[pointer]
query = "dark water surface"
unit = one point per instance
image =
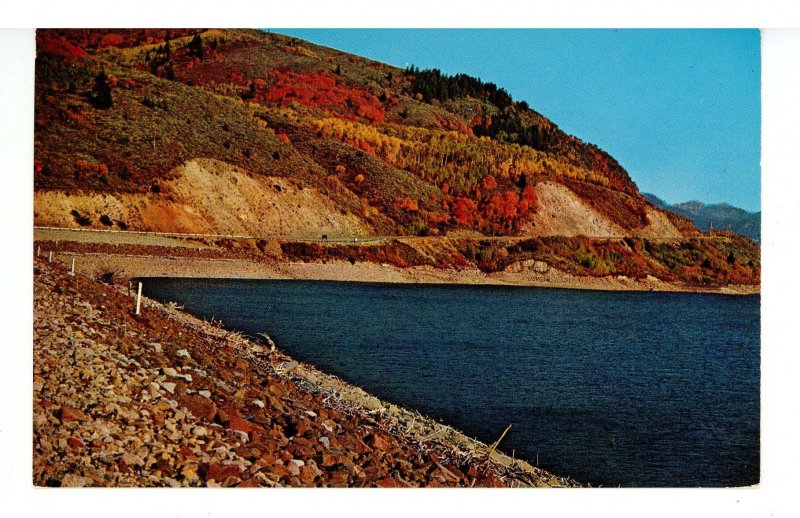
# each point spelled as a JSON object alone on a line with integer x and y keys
{"x": 610, "y": 388}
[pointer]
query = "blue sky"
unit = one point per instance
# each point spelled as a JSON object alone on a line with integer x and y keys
{"x": 679, "y": 109}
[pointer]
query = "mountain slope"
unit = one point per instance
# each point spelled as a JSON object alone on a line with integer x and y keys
{"x": 404, "y": 151}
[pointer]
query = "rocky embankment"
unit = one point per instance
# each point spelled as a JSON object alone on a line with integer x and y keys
{"x": 165, "y": 399}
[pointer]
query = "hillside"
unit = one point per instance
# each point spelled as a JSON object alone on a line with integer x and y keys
{"x": 719, "y": 216}
{"x": 242, "y": 132}
{"x": 403, "y": 151}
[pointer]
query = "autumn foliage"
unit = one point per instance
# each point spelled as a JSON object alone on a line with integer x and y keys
{"x": 320, "y": 90}
{"x": 58, "y": 45}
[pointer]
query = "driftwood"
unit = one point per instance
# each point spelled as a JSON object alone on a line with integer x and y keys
{"x": 497, "y": 442}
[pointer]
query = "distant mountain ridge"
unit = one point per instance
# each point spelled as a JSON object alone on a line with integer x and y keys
{"x": 718, "y": 216}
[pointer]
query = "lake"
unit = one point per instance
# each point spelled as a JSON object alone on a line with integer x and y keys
{"x": 633, "y": 389}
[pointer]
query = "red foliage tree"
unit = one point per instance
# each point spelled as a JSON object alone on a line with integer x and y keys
{"x": 489, "y": 183}
{"x": 111, "y": 40}
{"x": 47, "y": 42}
{"x": 407, "y": 204}
{"x": 465, "y": 212}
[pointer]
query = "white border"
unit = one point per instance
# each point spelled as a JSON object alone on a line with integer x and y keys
{"x": 780, "y": 115}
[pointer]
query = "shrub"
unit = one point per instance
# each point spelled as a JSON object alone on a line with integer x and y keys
{"x": 108, "y": 277}
{"x": 419, "y": 227}
{"x": 79, "y": 219}
{"x": 485, "y": 254}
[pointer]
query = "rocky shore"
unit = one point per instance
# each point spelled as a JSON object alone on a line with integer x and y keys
{"x": 165, "y": 399}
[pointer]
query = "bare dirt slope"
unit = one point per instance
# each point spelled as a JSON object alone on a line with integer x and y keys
{"x": 207, "y": 196}
{"x": 563, "y": 213}
{"x": 660, "y": 226}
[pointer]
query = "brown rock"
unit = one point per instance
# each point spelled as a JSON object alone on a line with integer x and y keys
{"x": 339, "y": 478}
{"x": 251, "y": 452}
{"x": 181, "y": 387}
{"x": 68, "y": 414}
{"x": 75, "y": 442}
{"x": 200, "y": 407}
{"x": 158, "y": 418}
{"x": 294, "y": 466}
{"x": 309, "y": 473}
{"x": 447, "y": 473}
{"x": 303, "y": 441}
{"x": 286, "y": 456}
{"x": 329, "y": 425}
{"x": 238, "y": 423}
{"x": 276, "y": 406}
{"x": 490, "y": 481}
{"x": 378, "y": 441}
{"x": 300, "y": 451}
{"x": 302, "y": 426}
{"x": 223, "y": 416}
{"x": 219, "y": 472}
{"x": 262, "y": 419}
{"x": 374, "y": 472}
{"x": 72, "y": 480}
{"x": 387, "y": 482}
{"x": 267, "y": 460}
{"x": 280, "y": 470}
{"x": 350, "y": 442}
{"x": 128, "y": 461}
{"x": 276, "y": 390}
{"x": 251, "y": 482}
{"x": 185, "y": 453}
{"x": 164, "y": 466}
{"x": 331, "y": 459}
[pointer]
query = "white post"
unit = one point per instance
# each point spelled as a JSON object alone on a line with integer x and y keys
{"x": 38, "y": 249}
{"x": 72, "y": 271}
{"x": 50, "y": 257}
{"x": 139, "y": 298}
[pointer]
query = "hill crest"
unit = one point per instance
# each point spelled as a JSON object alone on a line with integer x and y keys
{"x": 405, "y": 151}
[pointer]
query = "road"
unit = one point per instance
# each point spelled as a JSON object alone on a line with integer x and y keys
{"x": 172, "y": 239}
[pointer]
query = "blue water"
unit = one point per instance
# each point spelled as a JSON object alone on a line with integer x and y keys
{"x": 610, "y": 388}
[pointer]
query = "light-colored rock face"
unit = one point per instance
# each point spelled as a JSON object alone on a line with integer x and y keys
{"x": 660, "y": 226}
{"x": 208, "y": 196}
{"x": 563, "y": 213}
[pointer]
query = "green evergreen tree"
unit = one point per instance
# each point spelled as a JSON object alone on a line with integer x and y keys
{"x": 196, "y": 47}
{"x": 101, "y": 92}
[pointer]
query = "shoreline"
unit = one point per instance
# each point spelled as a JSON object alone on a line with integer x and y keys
{"x": 163, "y": 436}
{"x": 136, "y": 255}
{"x": 140, "y": 266}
